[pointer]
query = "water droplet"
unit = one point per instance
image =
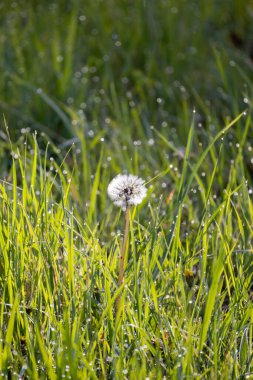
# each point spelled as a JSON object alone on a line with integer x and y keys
{"x": 151, "y": 142}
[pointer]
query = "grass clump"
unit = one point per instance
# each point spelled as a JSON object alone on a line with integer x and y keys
{"x": 188, "y": 276}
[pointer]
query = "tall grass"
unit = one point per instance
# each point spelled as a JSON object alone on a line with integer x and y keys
{"x": 188, "y": 278}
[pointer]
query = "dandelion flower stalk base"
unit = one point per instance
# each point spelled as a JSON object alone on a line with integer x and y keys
{"x": 123, "y": 252}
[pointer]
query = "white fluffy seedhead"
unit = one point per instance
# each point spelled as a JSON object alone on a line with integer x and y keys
{"x": 127, "y": 190}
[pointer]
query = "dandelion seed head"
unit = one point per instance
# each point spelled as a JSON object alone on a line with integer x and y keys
{"x": 127, "y": 190}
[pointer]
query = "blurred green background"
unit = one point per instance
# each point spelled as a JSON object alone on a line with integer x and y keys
{"x": 97, "y": 64}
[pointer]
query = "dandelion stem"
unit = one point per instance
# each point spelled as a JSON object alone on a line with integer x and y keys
{"x": 123, "y": 252}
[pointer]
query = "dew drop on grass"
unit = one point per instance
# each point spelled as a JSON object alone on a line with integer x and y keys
{"x": 14, "y": 155}
{"x": 78, "y": 74}
{"x": 70, "y": 100}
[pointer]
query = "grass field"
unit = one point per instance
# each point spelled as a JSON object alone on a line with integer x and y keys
{"x": 160, "y": 89}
